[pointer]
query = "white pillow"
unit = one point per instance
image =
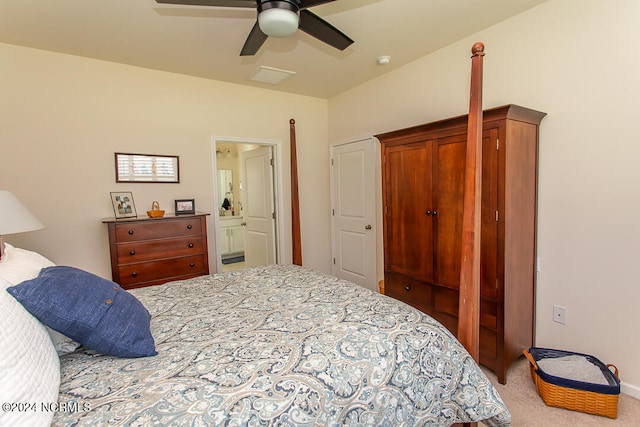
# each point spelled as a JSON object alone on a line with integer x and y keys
{"x": 18, "y": 265}
{"x": 29, "y": 364}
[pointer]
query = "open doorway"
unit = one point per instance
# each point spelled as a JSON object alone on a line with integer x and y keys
{"x": 244, "y": 192}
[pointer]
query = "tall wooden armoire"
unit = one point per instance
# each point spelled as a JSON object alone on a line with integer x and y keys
{"x": 422, "y": 183}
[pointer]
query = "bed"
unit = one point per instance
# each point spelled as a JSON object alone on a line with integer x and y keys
{"x": 276, "y": 345}
{"x": 281, "y": 345}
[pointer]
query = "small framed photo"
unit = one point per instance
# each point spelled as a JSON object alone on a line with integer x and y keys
{"x": 185, "y": 206}
{"x": 123, "y": 205}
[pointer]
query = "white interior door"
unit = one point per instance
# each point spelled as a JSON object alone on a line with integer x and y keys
{"x": 354, "y": 212}
{"x": 258, "y": 206}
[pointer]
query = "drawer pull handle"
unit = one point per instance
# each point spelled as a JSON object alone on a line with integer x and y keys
{"x": 132, "y": 253}
{"x": 130, "y": 231}
{"x": 407, "y": 288}
{"x": 192, "y": 264}
{"x": 134, "y": 274}
{"x": 190, "y": 245}
{"x": 189, "y": 227}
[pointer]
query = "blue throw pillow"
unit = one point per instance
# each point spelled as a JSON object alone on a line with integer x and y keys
{"x": 93, "y": 311}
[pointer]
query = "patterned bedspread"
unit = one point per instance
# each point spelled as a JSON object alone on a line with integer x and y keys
{"x": 281, "y": 345}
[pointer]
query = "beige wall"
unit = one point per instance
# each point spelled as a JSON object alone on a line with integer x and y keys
{"x": 62, "y": 118}
{"x": 577, "y": 61}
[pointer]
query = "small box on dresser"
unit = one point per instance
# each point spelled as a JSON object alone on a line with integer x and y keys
{"x": 152, "y": 251}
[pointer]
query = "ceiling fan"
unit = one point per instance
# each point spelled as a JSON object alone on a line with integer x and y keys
{"x": 279, "y": 18}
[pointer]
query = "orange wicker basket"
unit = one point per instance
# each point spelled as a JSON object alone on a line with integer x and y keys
{"x": 155, "y": 211}
{"x": 560, "y": 392}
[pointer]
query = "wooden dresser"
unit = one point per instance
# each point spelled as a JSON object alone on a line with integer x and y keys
{"x": 152, "y": 251}
{"x": 423, "y": 182}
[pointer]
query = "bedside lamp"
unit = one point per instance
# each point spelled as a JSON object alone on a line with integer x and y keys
{"x": 15, "y": 217}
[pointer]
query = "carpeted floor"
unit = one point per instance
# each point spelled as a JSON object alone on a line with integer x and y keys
{"x": 528, "y": 409}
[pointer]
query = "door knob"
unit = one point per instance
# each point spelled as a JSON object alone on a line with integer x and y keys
{"x": 367, "y": 227}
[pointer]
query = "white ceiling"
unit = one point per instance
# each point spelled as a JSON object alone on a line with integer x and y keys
{"x": 206, "y": 41}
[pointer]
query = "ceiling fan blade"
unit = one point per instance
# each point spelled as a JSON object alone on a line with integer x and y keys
{"x": 305, "y": 4}
{"x": 317, "y": 27}
{"x": 254, "y": 42}
{"x": 220, "y": 3}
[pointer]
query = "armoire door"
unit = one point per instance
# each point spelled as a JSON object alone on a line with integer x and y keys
{"x": 448, "y": 177}
{"x": 408, "y": 178}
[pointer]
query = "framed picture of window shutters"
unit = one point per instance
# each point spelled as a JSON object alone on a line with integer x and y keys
{"x": 152, "y": 168}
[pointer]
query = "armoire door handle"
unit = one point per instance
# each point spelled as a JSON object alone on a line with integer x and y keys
{"x": 367, "y": 227}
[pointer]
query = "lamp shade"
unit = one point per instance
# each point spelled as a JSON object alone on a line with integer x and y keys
{"x": 14, "y": 216}
{"x": 278, "y": 22}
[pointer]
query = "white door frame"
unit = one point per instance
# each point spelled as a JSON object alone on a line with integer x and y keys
{"x": 277, "y": 188}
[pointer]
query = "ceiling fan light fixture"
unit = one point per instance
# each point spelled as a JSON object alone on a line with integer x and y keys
{"x": 278, "y": 22}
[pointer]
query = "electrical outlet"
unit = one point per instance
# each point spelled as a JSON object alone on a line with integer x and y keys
{"x": 560, "y": 314}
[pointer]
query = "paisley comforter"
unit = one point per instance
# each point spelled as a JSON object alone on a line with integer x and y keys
{"x": 280, "y": 345}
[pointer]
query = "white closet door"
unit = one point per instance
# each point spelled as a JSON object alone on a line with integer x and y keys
{"x": 354, "y": 212}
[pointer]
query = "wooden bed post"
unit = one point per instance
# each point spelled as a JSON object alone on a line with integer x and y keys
{"x": 296, "y": 240}
{"x": 469, "y": 305}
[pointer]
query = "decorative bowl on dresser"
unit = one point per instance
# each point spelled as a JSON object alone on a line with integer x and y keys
{"x": 152, "y": 251}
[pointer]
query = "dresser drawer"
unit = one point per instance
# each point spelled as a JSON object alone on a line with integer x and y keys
{"x": 168, "y": 269}
{"x": 130, "y": 232}
{"x": 157, "y": 249}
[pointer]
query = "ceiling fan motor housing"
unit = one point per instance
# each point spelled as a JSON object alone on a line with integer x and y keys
{"x": 291, "y": 5}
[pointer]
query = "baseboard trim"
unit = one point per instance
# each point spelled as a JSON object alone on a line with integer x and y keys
{"x": 630, "y": 389}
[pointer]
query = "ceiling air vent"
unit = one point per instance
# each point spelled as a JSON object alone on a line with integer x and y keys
{"x": 271, "y": 75}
